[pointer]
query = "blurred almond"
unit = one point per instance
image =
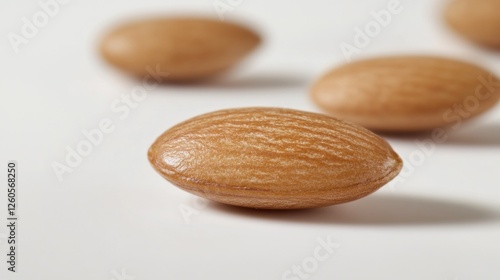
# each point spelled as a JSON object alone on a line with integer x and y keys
{"x": 407, "y": 93}
{"x": 477, "y": 20}
{"x": 178, "y": 48}
{"x": 273, "y": 158}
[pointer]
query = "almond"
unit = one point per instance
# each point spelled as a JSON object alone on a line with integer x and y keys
{"x": 273, "y": 158}
{"x": 407, "y": 93}
{"x": 178, "y": 48}
{"x": 477, "y": 20}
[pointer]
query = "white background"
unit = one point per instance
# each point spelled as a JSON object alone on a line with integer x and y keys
{"x": 113, "y": 214}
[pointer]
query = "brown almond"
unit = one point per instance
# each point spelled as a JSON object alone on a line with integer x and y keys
{"x": 178, "y": 48}
{"x": 477, "y": 20}
{"x": 407, "y": 93}
{"x": 273, "y": 158}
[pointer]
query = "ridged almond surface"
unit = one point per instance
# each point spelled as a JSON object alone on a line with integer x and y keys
{"x": 178, "y": 48}
{"x": 407, "y": 93}
{"x": 273, "y": 158}
{"x": 477, "y": 20}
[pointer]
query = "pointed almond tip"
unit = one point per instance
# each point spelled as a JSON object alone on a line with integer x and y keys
{"x": 396, "y": 165}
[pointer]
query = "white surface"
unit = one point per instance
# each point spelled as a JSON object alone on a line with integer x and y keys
{"x": 114, "y": 214}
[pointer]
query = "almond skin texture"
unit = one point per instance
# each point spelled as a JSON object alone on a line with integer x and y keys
{"x": 271, "y": 158}
{"x": 178, "y": 48}
{"x": 406, "y": 94}
{"x": 477, "y": 20}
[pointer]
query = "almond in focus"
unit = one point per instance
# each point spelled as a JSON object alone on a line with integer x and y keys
{"x": 406, "y": 93}
{"x": 178, "y": 48}
{"x": 272, "y": 158}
